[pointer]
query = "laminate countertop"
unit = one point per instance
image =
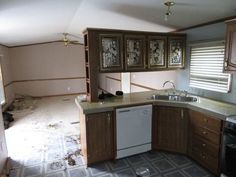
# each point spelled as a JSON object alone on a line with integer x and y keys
{"x": 213, "y": 108}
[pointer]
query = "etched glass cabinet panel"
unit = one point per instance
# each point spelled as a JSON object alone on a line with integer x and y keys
{"x": 157, "y": 52}
{"x": 134, "y": 52}
{"x": 111, "y": 58}
{"x": 176, "y": 52}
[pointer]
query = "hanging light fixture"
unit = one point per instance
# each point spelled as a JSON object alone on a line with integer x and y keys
{"x": 168, "y": 4}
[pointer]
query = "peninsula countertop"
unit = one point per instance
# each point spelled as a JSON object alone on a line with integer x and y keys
{"x": 211, "y": 107}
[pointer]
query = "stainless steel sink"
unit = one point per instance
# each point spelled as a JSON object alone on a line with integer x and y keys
{"x": 174, "y": 98}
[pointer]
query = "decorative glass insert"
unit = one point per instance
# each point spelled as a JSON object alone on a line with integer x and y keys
{"x": 176, "y": 52}
{"x": 134, "y": 52}
{"x": 110, "y": 52}
{"x": 157, "y": 52}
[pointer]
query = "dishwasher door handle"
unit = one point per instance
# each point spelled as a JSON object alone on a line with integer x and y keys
{"x": 124, "y": 111}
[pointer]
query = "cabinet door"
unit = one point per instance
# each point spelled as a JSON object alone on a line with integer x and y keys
{"x": 157, "y": 52}
{"x": 100, "y": 137}
{"x": 176, "y": 51}
{"x": 170, "y": 129}
{"x": 135, "y": 52}
{"x": 230, "y": 53}
{"x": 111, "y": 55}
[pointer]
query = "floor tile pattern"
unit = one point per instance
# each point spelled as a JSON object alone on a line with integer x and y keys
{"x": 160, "y": 164}
{"x": 56, "y": 150}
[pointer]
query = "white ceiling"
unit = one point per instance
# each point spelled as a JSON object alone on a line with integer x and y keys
{"x": 34, "y": 21}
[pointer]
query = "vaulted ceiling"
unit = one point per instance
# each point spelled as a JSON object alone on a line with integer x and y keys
{"x": 34, "y": 21}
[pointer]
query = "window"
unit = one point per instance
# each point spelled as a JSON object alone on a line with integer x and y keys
{"x": 206, "y": 68}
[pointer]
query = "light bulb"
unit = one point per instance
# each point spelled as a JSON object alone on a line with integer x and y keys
{"x": 166, "y": 17}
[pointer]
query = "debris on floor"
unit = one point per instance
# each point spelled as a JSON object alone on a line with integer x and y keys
{"x": 56, "y": 165}
{"x": 72, "y": 140}
{"x": 54, "y": 126}
{"x": 73, "y": 158}
{"x": 23, "y": 102}
{"x": 7, "y": 118}
{"x": 77, "y": 122}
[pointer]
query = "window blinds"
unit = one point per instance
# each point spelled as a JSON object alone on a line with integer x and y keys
{"x": 206, "y": 68}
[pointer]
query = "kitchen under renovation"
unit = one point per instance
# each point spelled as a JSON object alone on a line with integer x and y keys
{"x": 121, "y": 88}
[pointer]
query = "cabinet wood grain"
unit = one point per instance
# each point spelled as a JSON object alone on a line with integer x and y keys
{"x": 205, "y": 140}
{"x": 170, "y": 129}
{"x": 97, "y": 137}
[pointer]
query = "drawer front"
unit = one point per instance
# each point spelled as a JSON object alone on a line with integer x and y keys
{"x": 202, "y": 120}
{"x": 205, "y": 146}
{"x": 206, "y": 160}
{"x": 207, "y": 134}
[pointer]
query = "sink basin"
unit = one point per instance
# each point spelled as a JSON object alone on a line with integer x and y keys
{"x": 174, "y": 98}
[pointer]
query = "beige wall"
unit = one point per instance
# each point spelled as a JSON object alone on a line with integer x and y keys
{"x": 6, "y": 73}
{"x": 139, "y": 81}
{"x": 144, "y": 81}
{"x": 110, "y": 82}
{"x": 48, "y": 69}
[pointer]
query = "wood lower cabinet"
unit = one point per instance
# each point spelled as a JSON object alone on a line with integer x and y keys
{"x": 97, "y": 137}
{"x": 205, "y": 140}
{"x": 170, "y": 129}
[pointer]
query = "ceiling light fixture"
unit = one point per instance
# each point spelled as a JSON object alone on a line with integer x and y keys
{"x": 168, "y": 4}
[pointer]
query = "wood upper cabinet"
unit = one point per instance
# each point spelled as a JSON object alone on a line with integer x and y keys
{"x": 157, "y": 52}
{"x": 176, "y": 51}
{"x": 135, "y": 48}
{"x": 205, "y": 140}
{"x": 97, "y": 137}
{"x": 230, "y": 53}
{"x": 170, "y": 129}
{"x": 111, "y": 52}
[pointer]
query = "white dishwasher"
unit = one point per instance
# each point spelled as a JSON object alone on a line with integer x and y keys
{"x": 134, "y": 128}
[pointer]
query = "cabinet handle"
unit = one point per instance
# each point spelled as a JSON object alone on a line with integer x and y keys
{"x": 205, "y": 120}
{"x": 182, "y": 114}
{"x": 226, "y": 63}
{"x": 204, "y": 133}
{"x": 109, "y": 117}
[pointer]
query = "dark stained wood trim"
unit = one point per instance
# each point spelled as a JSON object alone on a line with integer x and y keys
{"x": 108, "y": 77}
{"x": 204, "y": 24}
{"x": 80, "y": 93}
{"x": 4, "y": 45}
{"x": 49, "y": 79}
{"x": 142, "y": 86}
{"x": 40, "y": 43}
{"x": 6, "y": 85}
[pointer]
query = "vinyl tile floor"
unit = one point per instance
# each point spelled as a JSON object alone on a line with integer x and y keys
{"x": 44, "y": 141}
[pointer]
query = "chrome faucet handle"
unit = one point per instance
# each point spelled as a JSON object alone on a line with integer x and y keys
{"x": 184, "y": 92}
{"x": 172, "y": 83}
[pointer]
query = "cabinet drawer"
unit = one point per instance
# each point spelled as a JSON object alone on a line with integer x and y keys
{"x": 202, "y": 120}
{"x": 206, "y": 160}
{"x": 207, "y": 134}
{"x": 205, "y": 146}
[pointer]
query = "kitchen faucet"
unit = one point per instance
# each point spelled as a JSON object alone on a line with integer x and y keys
{"x": 172, "y": 83}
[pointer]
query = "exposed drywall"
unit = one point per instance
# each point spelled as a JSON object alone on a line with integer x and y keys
{"x": 206, "y": 33}
{"x": 6, "y": 74}
{"x": 48, "y": 69}
{"x": 144, "y": 81}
